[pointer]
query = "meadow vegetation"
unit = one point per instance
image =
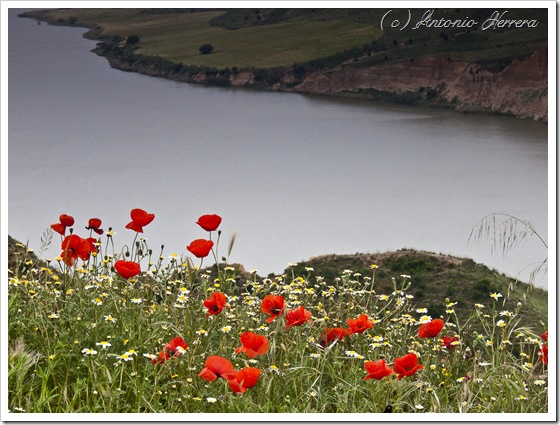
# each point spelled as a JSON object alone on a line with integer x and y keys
{"x": 177, "y": 37}
{"x": 112, "y": 326}
{"x": 256, "y": 38}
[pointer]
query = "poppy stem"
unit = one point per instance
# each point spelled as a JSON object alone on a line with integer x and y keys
{"x": 132, "y": 247}
{"x": 215, "y": 252}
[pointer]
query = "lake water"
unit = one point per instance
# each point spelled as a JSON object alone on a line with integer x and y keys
{"x": 296, "y": 176}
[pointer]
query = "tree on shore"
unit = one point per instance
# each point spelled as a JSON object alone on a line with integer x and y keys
{"x": 206, "y": 49}
{"x": 132, "y": 39}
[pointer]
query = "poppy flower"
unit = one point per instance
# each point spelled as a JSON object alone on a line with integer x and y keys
{"x": 140, "y": 218}
{"x": 95, "y": 224}
{"x": 273, "y": 305}
{"x": 359, "y": 325}
{"x": 244, "y": 379}
{"x": 64, "y": 222}
{"x": 217, "y": 367}
{"x": 430, "y": 329}
{"x": 406, "y": 365}
{"x": 92, "y": 248}
{"x": 253, "y": 344}
{"x": 174, "y": 348}
{"x": 448, "y": 342}
{"x": 236, "y": 386}
{"x": 543, "y": 354}
{"x": 297, "y": 317}
{"x": 209, "y": 222}
{"x": 215, "y": 304}
{"x": 333, "y": 334}
{"x": 200, "y": 248}
{"x": 127, "y": 269}
{"x": 74, "y": 247}
{"x": 377, "y": 370}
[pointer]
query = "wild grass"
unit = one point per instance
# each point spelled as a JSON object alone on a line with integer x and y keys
{"x": 177, "y": 37}
{"x": 267, "y": 38}
{"x": 82, "y": 338}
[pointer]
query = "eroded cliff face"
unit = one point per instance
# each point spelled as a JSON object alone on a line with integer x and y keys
{"x": 520, "y": 89}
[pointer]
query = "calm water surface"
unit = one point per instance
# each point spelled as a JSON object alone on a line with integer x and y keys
{"x": 296, "y": 176}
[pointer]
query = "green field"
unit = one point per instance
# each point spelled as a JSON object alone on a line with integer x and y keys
{"x": 178, "y": 36}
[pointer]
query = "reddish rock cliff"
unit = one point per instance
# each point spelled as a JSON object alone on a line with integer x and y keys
{"x": 520, "y": 89}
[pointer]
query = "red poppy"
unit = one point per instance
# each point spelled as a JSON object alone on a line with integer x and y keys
{"x": 217, "y": 367}
{"x": 209, "y": 222}
{"x": 297, "y": 317}
{"x": 174, "y": 348}
{"x": 543, "y": 354}
{"x": 236, "y": 386}
{"x": 333, "y": 334}
{"x": 64, "y": 222}
{"x": 92, "y": 248}
{"x": 430, "y": 329}
{"x": 244, "y": 379}
{"x": 253, "y": 344}
{"x": 406, "y": 365}
{"x": 215, "y": 304}
{"x": 377, "y": 370}
{"x": 140, "y": 218}
{"x": 73, "y": 247}
{"x": 359, "y": 325}
{"x": 273, "y": 305}
{"x": 127, "y": 269}
{"x": 448, "y": 341}
{"x": 200, "y": 248}
{"x": 95, "y": 224}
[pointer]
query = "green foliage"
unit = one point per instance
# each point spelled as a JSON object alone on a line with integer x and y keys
{"x": 57, "y": 314}
{"x": 435, "y": 276}
{"x": 132, "y": 39}
{"x": 206, "y": 49}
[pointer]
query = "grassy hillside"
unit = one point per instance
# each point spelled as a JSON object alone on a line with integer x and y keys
{"x": 98, "y": 338}
{"x": 434, "y": 278}
{"x": 266, "y": 38}
{"x": 178, "y": 36}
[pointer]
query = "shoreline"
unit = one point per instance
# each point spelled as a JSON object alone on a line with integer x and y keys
{"x": 519, "y": 90}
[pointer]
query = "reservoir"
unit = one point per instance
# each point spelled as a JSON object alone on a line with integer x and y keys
{"x": 295, "y": 176}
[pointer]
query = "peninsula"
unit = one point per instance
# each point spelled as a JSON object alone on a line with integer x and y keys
{"x": 472, "y": 60}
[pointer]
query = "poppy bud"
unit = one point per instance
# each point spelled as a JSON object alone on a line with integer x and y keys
{"x": 224, "y": 258}
{"x": 150, "y": 251}
{"x": 127, "y": 254}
